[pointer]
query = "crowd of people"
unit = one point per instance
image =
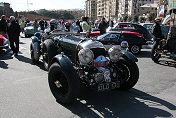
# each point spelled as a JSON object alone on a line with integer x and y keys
{"x": 11, "y": 27}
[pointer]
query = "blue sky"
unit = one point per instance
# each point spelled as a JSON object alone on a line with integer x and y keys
{"x": 21, "y": 5}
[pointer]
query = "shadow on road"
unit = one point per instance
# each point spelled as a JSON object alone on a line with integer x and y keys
{"x": 3, "y": 65}
{"x": 167, "y": 63}
{"x": 121, "y": 104}
{"x": 144, "y": 54}
{"x": 21, "y": 42}
{"x": 29, "y": 61}
{"x": 41, "y": 65}
{"x": 24, "y": 59}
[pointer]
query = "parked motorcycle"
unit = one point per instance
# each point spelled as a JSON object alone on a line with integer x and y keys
{"x": 166, "y": 46}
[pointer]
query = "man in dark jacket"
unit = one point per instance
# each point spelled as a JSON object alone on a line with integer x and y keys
{"x": 156, "y": 31}
{"x": 102, "y": 26}
{"x": 3, "y": 25}
{"x": 42, "y": 24}
{"x": 79, "y": 25}
{"x": 14, "y": 33}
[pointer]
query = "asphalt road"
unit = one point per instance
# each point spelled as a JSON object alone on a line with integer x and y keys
{"x": 24, "y": 92}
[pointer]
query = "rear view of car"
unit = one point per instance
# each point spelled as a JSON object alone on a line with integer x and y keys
{"x": 29, "y": 30}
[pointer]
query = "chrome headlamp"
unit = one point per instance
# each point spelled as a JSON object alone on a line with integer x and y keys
{"x": 114, "y": 53}
{"x": 124, "y": 44}
{"x": 5, "y": 41}
{"x": 85, "y": 56}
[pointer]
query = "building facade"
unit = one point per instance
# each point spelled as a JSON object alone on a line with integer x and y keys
{"x": 91, "y": 9}
{"x": 6, "y": 9}
{"x": 107, "y": 9}
{"x": 133, "y": 7}
{"x": 172, "y": 4}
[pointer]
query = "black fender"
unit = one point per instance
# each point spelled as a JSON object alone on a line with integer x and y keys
{"x": 129, "y": 55}
{"x": 64, "y": 62}
{"x": 35, "y": 39}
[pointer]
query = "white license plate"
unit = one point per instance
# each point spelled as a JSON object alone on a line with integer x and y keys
{"x": 107, "y": 86}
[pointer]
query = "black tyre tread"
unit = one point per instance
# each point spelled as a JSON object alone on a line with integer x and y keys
{"x": 33, "y": 60}
{"x": 73, "y": 84}
{"x": 156, "y": 60}
{"x": 51, "y": 50}
{"x": 134, "y": 74}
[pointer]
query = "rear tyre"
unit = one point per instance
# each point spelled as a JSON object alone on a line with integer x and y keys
{"x": 49, "y": 52}
{"x": 64, "y": 86}
{"x": 135, "y": 49}
{"x": 128, "y": 73}
{"x": 155, "y": 55}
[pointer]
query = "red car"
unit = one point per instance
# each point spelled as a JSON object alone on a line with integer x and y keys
{"x": 4, "y": 43}
{"x": 94, "y": 33}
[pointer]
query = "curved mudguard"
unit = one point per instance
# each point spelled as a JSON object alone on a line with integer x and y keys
{"x": 36, "y": 47}
{"x": 64, "y": 62}
{"x": 129, "y": 55}
{"x": 34, "y": 39}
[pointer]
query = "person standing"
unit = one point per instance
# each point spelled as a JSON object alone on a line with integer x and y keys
{"x": 42, "y": 24}
{"x": 46, "y": 24}
{"x": 36, "y": 25}
{"x": 3, "y": 24}
{"x": 22, "y": 26}
{"x": 14, "y": 33}
{"x": 102, "y": 26}
{"x": 27, "y": 21}
{"x": 156, "y": 30}
{"x": 111, "y": 23}
{"x": 85, "y": 26}
{"x": 79, "y": 25}
{"x": 68, "y": 25}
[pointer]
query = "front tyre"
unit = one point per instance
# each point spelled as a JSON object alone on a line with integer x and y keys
{"x": 154, "y": 53}
{"x": 64, "y": 86}
{"x": 35, "y": 61}
{"x": 128, "y": 73}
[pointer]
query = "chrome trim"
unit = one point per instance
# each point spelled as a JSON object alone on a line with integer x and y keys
{"x": 91, "y": 44}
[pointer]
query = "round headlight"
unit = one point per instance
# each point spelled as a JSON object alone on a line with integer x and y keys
{"x": 85, "y": 56}
{"x": 124, "y": 44}
{"x": 114, "y": 53}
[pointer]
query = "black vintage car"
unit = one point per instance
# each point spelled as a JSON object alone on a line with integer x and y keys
{"x": 135, "y": 40}
{"x": 75, "y": 61}
{"x": 133, "y": 27}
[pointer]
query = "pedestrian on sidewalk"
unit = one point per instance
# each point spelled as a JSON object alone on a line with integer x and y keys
{"x": 3, "y": 24}
{"x": 36, "y": 25}
{"x": 22, "y": 26}
{"x": 102, "y": 26}
{"x": 42, "y": 25}
{"x": 85, "y": 26}
{"x": 14, "y": 33}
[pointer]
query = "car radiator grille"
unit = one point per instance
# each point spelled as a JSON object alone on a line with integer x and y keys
{"x": 98, "y": 51}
